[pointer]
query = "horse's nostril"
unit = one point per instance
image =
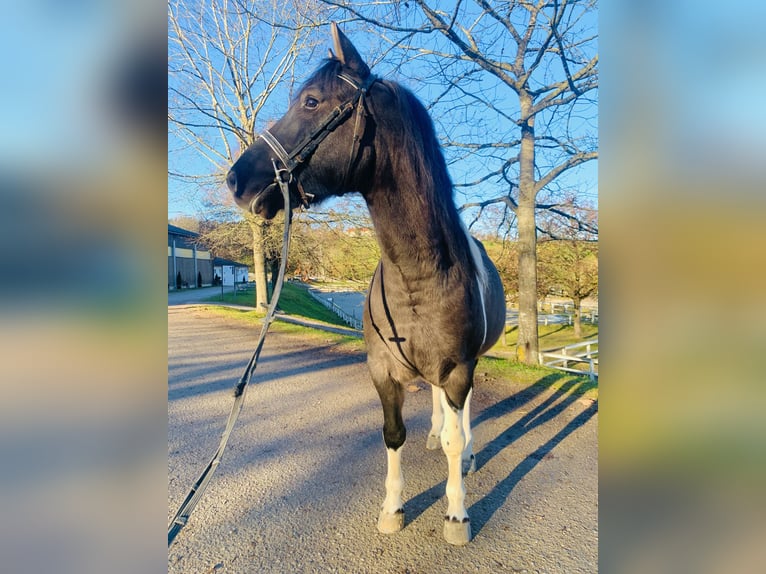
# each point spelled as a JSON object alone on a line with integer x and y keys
{"x": 231, "y": 181}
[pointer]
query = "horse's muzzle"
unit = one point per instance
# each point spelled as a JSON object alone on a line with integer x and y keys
{"x": 231, "y": 181}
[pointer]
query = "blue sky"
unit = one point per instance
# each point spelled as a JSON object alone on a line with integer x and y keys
{"x": 471, "y": 124}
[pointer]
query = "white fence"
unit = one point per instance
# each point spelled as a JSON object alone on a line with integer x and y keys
{"x": 349, "y": 320}
{"x": 564, "y": 358}
{"x": 587, "y": 312}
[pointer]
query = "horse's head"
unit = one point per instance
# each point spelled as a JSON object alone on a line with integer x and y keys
{"x": 317, "y": 145}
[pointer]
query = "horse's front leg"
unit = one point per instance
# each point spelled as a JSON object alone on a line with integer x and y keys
{"x": 457, "y": 525}
{"x": 437, "y": 422}
{"x": 437, "y": 419}
{"x": 467, "y": 457}
{"x": 391, "y": 518}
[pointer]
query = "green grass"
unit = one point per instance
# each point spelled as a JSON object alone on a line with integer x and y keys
{"x": 345, "y": 342}
{"x": 529, "y": 375}
{"x": 294, "y": 300}
{"x": 253, "y": 317}
{"x": 549, "y": 336}
{"x": 246, "y": 297}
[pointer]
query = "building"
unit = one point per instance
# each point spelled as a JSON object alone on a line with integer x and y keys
{"x": 189, "y": 264}
{"x": 231, "y": 272}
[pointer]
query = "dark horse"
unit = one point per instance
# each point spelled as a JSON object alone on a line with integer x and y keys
{"x": 435, "y": 303}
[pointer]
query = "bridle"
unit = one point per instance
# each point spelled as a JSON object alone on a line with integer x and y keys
{"x": 302, "y": 152}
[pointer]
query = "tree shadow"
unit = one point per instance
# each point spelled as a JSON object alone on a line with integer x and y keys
{"x": 561, "y": 328}
{"x": 214, "y": 375}
{"x": 418, "y": 504}
{"x": 514, "y": 401}
{"x": 483, "y": 510}
{"x": 542, "y": 413}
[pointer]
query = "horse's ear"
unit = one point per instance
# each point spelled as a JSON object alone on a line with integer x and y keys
{"x": 347, "y": 54}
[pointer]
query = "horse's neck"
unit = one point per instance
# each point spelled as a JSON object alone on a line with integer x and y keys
{"x": 418, "y": 240}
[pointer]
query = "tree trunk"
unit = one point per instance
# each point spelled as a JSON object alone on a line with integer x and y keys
{"x": 577, "y": 316}
{"x": 527, "y": 348}
{"x": 259, "y": 264}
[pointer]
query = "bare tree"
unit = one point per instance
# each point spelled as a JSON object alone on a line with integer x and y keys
{"x": 511, "y": 87}
{"x": 227, "y": 60}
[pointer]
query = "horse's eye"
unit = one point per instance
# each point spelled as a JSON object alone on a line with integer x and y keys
{"x": 310, "y": 103}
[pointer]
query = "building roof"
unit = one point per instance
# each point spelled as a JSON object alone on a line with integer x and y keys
{"x": 180, "y": 231}
{"x": 219, "y": 261}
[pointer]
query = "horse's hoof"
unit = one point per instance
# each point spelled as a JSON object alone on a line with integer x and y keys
{"x": 433, "y": 442}
{"x": 457, "y": 533}
{"x": 469, "y": 466}
{"x": 390, "y": 523}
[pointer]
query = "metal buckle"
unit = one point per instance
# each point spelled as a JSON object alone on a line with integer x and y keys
{"x": 283, "y": 175}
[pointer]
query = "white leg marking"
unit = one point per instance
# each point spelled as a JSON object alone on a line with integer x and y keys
{"x": 469, "y": 461}
{"x": 457, "y": 527}
{"x": 394, "y": 481}
{"x": 391, "y": 517}
{"x": 437, "y": 419}
{"x": 453, "y": 443}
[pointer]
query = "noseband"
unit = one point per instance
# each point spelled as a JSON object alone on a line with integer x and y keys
{"x": 306, "y": 147}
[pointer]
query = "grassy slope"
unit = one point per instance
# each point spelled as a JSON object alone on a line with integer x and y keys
{"x": 294, "y": 300}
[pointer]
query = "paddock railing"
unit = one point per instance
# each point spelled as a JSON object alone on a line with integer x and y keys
{"x": 572, "y": 357}
{"x": 348, "y": 319}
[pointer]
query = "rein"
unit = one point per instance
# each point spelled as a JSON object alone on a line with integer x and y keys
{"x": 308, "y": 145}
{"x": 182, "y": 515}
{"x": 283, "y": 177}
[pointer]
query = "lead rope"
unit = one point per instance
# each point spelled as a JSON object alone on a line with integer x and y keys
{"x": 182, "y": 515}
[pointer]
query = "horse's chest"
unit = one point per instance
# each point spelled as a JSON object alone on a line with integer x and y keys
{"x": 420, "y": 325}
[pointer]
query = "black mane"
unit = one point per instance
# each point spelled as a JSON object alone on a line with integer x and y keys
{"x": 418, "y": 162}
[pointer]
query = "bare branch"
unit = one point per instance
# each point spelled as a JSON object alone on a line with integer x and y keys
{"x": 499, "y": 69}
{"x": 571, "y": 162}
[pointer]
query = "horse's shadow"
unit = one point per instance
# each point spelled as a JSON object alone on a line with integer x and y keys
{"x": 553, "y": 406}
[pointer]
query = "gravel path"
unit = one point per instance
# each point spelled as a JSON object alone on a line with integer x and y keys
{"x": 301, "y": 480}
